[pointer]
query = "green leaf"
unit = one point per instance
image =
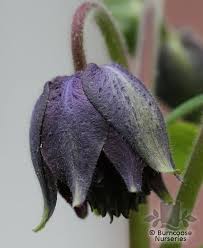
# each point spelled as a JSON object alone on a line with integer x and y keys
{"x": 182, "y": 135}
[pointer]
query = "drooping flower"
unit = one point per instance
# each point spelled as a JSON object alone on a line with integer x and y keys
{"x": 98, "y": 138}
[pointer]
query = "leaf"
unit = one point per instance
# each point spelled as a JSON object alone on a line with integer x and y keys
{"x": 182, "y": 135}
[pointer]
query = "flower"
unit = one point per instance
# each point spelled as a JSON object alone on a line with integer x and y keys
{"x": 98, "y": 138}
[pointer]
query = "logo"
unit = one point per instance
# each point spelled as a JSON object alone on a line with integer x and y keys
{"x": 180, "y": 218}
{"x": 175, "y": 228}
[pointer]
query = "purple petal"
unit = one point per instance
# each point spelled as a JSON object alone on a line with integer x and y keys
{"x": 45, "y": 177}
{"x": 126, "y": 104}
{"x": 73, "y": 136}
{"x": 82, "y": 211}
{"x": 127, "y": 163}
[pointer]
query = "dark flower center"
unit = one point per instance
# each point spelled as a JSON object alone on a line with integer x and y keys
{"x": 108, "y": 193}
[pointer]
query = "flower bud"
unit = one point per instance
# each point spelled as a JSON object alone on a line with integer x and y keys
{"x": 180, "y": 75}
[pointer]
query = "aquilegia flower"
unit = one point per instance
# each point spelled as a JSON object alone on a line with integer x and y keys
{"x": 98, "y": 138}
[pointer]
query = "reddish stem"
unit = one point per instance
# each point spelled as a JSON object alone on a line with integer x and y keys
{"x": 111, "y": 35}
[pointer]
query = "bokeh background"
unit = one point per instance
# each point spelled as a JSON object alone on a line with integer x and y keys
{"x": 188, "y": 14}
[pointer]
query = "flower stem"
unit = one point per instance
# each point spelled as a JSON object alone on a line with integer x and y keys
{"x": 139, "y": 228}
{"x": 185, "y": 108}
{"x": 189, "y": 189}
{"x": 112, "y": 37}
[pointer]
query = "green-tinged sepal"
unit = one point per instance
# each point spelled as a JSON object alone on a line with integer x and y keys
{"x": 133, "y": 112}
{"x": 46, "y": 179}
{"x": 45, "y": 218}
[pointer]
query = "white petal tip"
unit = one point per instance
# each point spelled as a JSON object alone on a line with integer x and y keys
{"x": 133, "y": 189}
{"x": 78, "y": 198}
{"x": 76, "y": 203}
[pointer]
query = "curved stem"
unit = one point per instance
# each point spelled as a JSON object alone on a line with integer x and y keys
{"x": 185, "y": 108}
{"x": 112, "y": 36}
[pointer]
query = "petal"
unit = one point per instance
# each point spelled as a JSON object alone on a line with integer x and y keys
{"x": 82, "y": 211}
{"x": 63, "y": 189}
{"x": 108, "y": 192}
{"x": 156, "y": 183}
{"x": 73, "y": 136}
{"x": 126, "y": 104}
{"x": 44, "y": 175}
{"x": 127, "y": 163}
{"x": 64, "y": 192}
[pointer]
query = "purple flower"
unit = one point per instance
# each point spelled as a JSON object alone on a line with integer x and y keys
{"x": 99, "y": 138}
